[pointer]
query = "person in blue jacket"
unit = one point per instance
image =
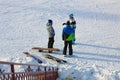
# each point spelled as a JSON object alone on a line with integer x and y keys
{"x": 67, "y": 37}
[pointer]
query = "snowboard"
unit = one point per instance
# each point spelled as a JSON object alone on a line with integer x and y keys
{"x": 40, "y": 49}
{"x": 35, "y": 58}
{"x": 54, "y": 58}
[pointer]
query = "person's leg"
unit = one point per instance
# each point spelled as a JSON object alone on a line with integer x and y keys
{"x": 65, "y": 47}
{"x": 70, "y": 48}
{"x": 50, "y": 44}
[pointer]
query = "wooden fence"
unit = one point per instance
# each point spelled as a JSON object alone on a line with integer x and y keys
{"x": 31, "y": 72}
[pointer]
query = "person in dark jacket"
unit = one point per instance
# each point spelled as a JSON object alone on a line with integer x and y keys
{"x": 67, "y": 37}
{"x": 51, "y": 34}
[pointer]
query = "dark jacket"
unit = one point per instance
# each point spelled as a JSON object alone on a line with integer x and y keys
{"x": 72, "y": 23}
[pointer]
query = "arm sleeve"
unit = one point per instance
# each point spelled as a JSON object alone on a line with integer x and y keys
{"x": 63, "y": 34}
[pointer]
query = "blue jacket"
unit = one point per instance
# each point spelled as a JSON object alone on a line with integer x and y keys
{"x": 67, "y": 32}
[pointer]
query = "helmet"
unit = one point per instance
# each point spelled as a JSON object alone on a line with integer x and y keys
{"x": 50, "y": 21}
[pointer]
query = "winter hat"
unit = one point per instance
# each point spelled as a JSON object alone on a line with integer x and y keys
{"x": 68, "y": 23}
{"x": 71, "y": 15}
{"x": 50, "y": 21}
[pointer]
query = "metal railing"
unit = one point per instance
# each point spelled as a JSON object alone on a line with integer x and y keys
{"x": 31, "y": 72}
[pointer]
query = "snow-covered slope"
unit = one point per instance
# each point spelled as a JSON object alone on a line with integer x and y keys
{"x": 97, "y": 47}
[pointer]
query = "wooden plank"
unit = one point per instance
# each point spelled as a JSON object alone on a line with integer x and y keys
{"x": 51, "y": 49}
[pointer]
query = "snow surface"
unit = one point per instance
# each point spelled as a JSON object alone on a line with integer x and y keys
{"x": 96, "y": 51}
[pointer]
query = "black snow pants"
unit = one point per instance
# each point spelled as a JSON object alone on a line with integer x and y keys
{"x": 66, "y": 44}
{"x": 50, "y": 43}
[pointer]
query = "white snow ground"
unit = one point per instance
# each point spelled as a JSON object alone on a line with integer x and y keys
{"x": 97, "y": 47}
